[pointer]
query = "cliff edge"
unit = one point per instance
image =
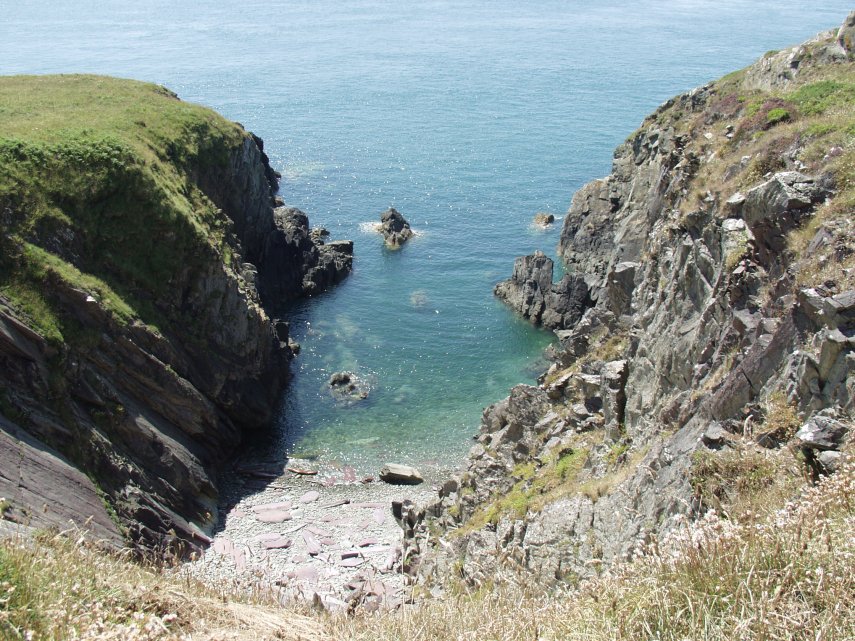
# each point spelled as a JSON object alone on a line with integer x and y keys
{"x": 141, "y": 255}
{"x": 706, "y": 332}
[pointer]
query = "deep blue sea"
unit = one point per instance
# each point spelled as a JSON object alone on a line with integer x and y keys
{"x": 469, "y": 117}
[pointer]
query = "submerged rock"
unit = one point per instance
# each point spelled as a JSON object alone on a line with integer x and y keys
{"x": 347, "y": 387}
{"x": 395, "y": 228}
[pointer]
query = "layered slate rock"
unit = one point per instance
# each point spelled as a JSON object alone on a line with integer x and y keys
{"x": 531, "y": 292}
{"x": 155, "y": 349}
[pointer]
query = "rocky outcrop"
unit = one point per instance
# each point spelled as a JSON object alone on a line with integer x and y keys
{"x": 145, "y": 387}
{"x": 531, "y": 292}
{"x": 295, "y": 263}
{"x": 699, "y": 311}
{"x": 395, "y": 229}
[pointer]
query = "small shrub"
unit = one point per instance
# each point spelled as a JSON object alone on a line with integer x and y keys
{"x": 779, "y": 114}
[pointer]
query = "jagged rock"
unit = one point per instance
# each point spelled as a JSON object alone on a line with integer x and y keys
{"x": 822, "y": 433}
{"x": 395, "y": 229}
{"x": 846, "y": 34}
{"x": 544, "y": 219}
{"x": 396, "y": 474}
{"x": 295, "y": 264}
{"x": 829, "y": 461}
{"x": 532, "y": 293}
{"x": 613, "y": 392}
{"x": 620, "y": 284}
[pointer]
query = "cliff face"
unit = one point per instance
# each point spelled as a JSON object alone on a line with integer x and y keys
{"x": 710, "y": 279}
{"x": 140, "y": 251}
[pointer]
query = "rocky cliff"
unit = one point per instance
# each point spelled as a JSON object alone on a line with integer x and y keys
{"x": 706, "y": 329}
{"x": 141, "y": 255}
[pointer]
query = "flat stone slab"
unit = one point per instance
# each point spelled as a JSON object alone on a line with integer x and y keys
{"x": 313, "y": 546}
{"x": 282, "y": 505}
{"x": 338, "y": 503}
{"x": 379, "y": 516}
{"x": 266, "y": 536}
{"x": 351, "y": 563}
{"x": 273, "y": 516}
{"x": 314, "y": 529}
{"x": 310, "y": 497}
{"x": 279, "y": 543}
{"x": 364, "y": 543}
{"x": 223, "y": 545}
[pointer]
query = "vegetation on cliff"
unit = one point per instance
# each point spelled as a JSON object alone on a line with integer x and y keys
{"x": 96, "y": 190}
{"x": 133, "y": 346}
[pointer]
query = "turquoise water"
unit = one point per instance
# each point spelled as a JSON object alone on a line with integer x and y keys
{"x": 469, "y": 117}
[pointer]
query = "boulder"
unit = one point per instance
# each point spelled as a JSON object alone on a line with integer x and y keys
{"x": 396, "y": 474}
{"x": 395, "y": 228}
{"x": 544, "y": 219}
{"x": 822, "y": 433}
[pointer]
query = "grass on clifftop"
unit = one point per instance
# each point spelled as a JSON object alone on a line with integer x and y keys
{"x": 97, "y": 180}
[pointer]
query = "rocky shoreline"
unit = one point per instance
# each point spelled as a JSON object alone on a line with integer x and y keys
{"x": 326, "y": 537}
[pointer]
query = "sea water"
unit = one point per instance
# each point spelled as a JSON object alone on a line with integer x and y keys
{"x": 468, "y": 116}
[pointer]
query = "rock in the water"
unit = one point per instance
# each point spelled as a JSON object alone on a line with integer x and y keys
{"x": 543, "y": 219}
{"x": 394, "y": 227}
{"x": 532, "y": 293}
{"x": 348, "y": 388}
{"x": 400, "y": 474}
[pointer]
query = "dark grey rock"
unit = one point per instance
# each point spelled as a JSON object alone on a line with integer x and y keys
{"x": 822, "y": 433}
{"x": 395, "y": 229}
{"x": 531, "y": 292}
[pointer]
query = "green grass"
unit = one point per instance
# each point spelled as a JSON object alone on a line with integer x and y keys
{"x": 819, "y": 97}
{"x": 99, "y": 189}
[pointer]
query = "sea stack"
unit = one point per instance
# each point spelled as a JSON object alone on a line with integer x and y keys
{"x": 395, "y": 229}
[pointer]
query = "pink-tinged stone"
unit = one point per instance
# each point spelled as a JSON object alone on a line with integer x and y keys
{"x": 334, "y": 519}
{"x": 353, "y": 554}
{"x": 376, "y": 549}
{"x": 279, "y": 543}
{"x": 338, "y": 503}
{"x": 372, "y": 505}
{"x": 223, "y": 545}
{"x": 313, "y": 546}
{"x": 310, "y": 497}
{"x": 273, "y": 516}
{"x": 238, "y": 513}
{"x": 305, "y": 573}
{"x": 367, "y": 523}
{"x": 328, "y": 541}
{"x": 300, "y": 558}
{"x": 349, "y": 474}
{"x": 314, "y": 529}
{"x": 282, "y": 505}
{"x": 266, "y": 536}
{"x": 379, "y": 516}
{"x": 329, "y": 481}
{"x": 239, "y": 557}
{"x": 364, "y": 543}
{"x": 351, "y": 563}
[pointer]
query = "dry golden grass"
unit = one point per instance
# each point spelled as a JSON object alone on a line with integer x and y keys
{"x": 786, "y": 576}
{"x": 55, "y": 587}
